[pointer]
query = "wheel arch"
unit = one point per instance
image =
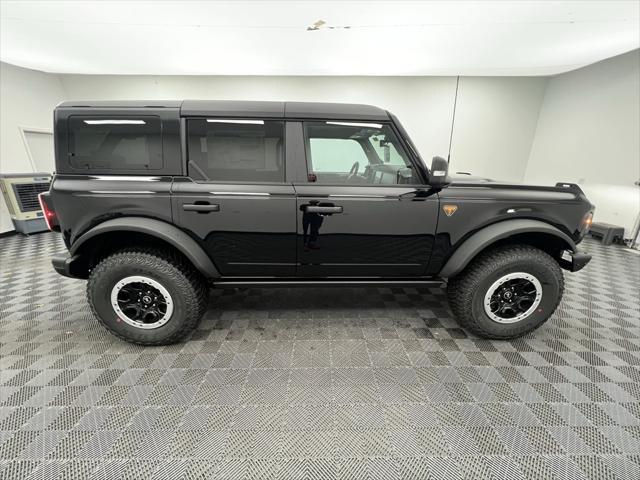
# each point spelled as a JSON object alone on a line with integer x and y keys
{"x": 107, "y": 237}
{"x": 535, "y": 233}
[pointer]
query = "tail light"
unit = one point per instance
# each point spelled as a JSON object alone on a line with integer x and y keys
{"x": 49, "y": 214}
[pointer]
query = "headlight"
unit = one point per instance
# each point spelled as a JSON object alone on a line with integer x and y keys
{"x": 587, "y": 220}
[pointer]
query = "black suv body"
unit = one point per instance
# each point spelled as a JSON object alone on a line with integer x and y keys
{"x": 157, "y": 202}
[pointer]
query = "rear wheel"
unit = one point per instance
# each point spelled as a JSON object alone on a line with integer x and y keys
{"x": 149, "y": 297}
{"x": 506, "y": 292}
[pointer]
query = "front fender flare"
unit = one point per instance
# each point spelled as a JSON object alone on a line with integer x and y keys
{"x": 155, "y": 228}
{"x": 492, "y": 233}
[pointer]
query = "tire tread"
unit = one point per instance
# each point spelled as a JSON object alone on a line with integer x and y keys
{"x": 461, "y": 288}
{"x": 168, "y": 263}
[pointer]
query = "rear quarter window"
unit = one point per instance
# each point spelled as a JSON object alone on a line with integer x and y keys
{"x": 121, "y": 143}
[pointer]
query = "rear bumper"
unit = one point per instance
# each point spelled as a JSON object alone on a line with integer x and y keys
{"x": 67, "y": 265}
{"x": 574, "y": 261}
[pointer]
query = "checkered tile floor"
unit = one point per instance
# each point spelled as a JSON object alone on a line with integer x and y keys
{"x": 318, "y": 384}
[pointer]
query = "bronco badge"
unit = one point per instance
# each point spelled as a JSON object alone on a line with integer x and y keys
{"x": 449, "y": 209}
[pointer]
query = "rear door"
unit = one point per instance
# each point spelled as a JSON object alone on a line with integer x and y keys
{"x": 236, "y": 201}
{"x": 362, "y": 207}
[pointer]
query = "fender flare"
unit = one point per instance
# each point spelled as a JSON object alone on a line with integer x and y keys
{"x": 492, "y": 233}
{"x": 155, "y": 228}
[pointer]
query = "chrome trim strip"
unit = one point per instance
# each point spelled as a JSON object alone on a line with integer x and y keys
{"x": 242, "y": 194}
{"x": 347, "y": 195}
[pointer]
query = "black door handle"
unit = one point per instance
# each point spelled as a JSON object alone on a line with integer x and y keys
{"x": 201, "y": 207}
{"x": 323, "y": 209}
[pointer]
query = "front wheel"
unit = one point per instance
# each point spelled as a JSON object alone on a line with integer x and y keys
{"x": 506, "y": 292}
{"x": 149, "y": 297}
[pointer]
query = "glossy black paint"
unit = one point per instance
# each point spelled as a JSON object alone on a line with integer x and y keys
{"x": 381, "y": 231}
{"x": 298, "y": 229}
{"x": 480, "y": 205}
{"x": 252, "y": 231}
{"x": 84, "y": 201}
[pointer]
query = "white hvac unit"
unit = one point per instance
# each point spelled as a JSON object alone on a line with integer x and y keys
{"x": 20, "y": 192}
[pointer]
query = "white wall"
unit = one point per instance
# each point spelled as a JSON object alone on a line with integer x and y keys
{"x": 495, "y": 122}
{"x": 589, "y": 133}
{"x": 27, "y": 98}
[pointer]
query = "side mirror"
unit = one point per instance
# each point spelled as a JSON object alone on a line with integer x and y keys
{"x": 439, "y": 175}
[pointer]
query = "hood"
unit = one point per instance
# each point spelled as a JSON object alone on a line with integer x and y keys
{"x": 462, "y": 177}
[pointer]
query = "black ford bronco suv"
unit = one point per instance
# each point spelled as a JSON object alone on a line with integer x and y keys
{"x": 159, "y": 201}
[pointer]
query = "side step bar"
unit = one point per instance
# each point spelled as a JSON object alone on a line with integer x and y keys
{"x": 329, "y": 282}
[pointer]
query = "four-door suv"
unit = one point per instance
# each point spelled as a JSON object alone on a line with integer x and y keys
{"x": 159, "y": 201}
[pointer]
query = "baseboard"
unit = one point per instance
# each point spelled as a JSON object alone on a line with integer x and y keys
{"x": 10, "y": 233}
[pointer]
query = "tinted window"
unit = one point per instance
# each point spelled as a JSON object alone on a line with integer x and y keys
{"x": 356, "y": 153}
{"x": 115, "y": 143}
{"x": 236, "y": 150}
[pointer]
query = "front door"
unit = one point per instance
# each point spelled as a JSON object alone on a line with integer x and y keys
{"x": 363, "y": 210}
{"x": 236, "y": 202}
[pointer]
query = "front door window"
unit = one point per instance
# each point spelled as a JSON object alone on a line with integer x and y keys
{"x": 356, "y": 153}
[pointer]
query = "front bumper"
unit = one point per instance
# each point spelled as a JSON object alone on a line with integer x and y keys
{"x": 574, "y": 261}
{"x": 67, "y": 265}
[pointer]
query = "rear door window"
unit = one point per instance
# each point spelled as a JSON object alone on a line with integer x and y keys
{"x": 236, "y": 150}
{"x": 115, "y": 143}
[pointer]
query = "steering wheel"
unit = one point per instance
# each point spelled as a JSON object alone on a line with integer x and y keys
{"x": 354, "y": 169}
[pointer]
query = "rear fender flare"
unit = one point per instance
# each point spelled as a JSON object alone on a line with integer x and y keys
{"x": 485, "y": 237}
{"x": 158, "y": 229}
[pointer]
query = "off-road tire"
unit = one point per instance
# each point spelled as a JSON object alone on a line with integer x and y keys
{"x": 466, "y": 291}
{"x": 186, "y": 286}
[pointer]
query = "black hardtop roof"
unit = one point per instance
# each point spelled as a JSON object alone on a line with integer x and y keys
{"x": 121, "y": 104}
{"x": 246, "y": 109}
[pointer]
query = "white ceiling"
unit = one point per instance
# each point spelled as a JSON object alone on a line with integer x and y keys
{"x": 358, "y": 38}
